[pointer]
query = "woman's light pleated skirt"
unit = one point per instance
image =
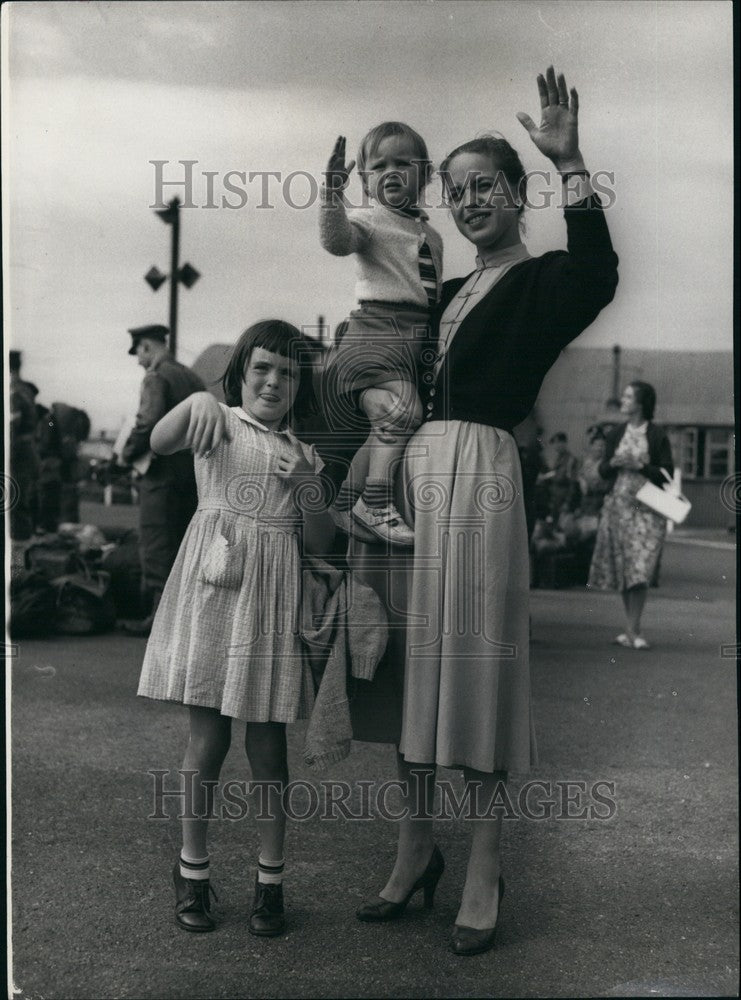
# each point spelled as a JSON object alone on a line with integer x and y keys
{"x": 467, "y": 696}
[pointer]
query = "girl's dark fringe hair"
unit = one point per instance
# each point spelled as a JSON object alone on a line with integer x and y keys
{"x": 278, "y": 337}
{"x": 502, "y": 154}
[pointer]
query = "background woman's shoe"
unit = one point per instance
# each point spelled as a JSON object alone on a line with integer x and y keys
{"x": 640, "y": 643}
{"x": 192, "y": 903}
{"x": 386, "y": 523}
{"x": 469, "y": 940}
{"x": 624, "y": 640}
{"x": 381, "y": 909}
{"x": 267, "y": 917}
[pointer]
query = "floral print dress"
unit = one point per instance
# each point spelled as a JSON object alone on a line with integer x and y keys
{"x": 630, "y": 535}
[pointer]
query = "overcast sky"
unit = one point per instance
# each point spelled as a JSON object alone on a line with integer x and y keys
{"x": 94, "y": 91}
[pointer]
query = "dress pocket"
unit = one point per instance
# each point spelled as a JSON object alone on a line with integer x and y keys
{"x": 223, "y": 564}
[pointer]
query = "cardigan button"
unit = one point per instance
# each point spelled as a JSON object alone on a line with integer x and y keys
{"x": 432, "y": 392}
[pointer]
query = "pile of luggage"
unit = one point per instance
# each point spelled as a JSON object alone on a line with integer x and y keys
{"x": 77, "y": 581}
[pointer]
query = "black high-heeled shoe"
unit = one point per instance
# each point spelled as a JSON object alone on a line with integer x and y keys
{"x": 469, "y": 940}
{"x": 381, "y": 909}
{"x": 193, "y": 903}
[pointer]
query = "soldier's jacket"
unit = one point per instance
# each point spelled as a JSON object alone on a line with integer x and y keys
{"x": 165, "y": 384}
{"x": 23, "y": 420}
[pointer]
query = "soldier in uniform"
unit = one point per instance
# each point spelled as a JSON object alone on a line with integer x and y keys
{"x": 24, "y": 459}
{"x": 49, "y": 444}
{"x": 167, "y": 488}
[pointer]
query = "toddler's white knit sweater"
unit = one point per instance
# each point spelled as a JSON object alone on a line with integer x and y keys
{"x": 386, "y": 247}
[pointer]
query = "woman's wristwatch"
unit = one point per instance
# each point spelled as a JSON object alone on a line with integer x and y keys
{"x": 578, "y": 191}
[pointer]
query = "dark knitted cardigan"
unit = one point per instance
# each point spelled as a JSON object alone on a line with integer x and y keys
{"x": 504, "y": 347}
{"x": 659, "y": 454}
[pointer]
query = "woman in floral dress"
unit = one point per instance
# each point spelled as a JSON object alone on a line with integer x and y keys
{"x": 630, "y": 535}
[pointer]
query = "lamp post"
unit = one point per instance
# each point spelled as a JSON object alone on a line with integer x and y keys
{"x": 615, "y": 398}
{"x": 186, "y": 274}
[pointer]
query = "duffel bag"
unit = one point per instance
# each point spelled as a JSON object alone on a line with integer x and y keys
{"x": 83, "y": 603}
{"x": 53, "y": 556}
{"x": 33, "y": 605}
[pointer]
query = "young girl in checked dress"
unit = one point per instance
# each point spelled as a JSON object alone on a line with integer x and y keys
{"x": 225, "y": 640}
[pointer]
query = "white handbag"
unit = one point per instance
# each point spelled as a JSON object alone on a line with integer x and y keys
{"x": 667, "y": 501}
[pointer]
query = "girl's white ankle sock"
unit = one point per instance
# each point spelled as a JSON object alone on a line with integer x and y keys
{"x": 194, "y": 868}
{"x": 270, "y": 872}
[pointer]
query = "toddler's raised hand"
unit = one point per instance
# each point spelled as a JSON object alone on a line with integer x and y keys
{"x": 337, "y": 174}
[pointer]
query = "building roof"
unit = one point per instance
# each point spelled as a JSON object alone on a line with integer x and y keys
{"x": 211, "y": 364}
{"x": 692, "y": 387}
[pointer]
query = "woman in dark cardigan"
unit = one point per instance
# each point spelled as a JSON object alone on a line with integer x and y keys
{"x": 465, "y": 599}
{"x": 467, "y": 684}
{"x": 630, "y": 535}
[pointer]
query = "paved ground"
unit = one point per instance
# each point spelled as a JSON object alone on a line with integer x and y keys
{"x": 645, "y": 903}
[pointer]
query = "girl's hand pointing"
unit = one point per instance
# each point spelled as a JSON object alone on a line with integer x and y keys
{"x": 207, "y": 425}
